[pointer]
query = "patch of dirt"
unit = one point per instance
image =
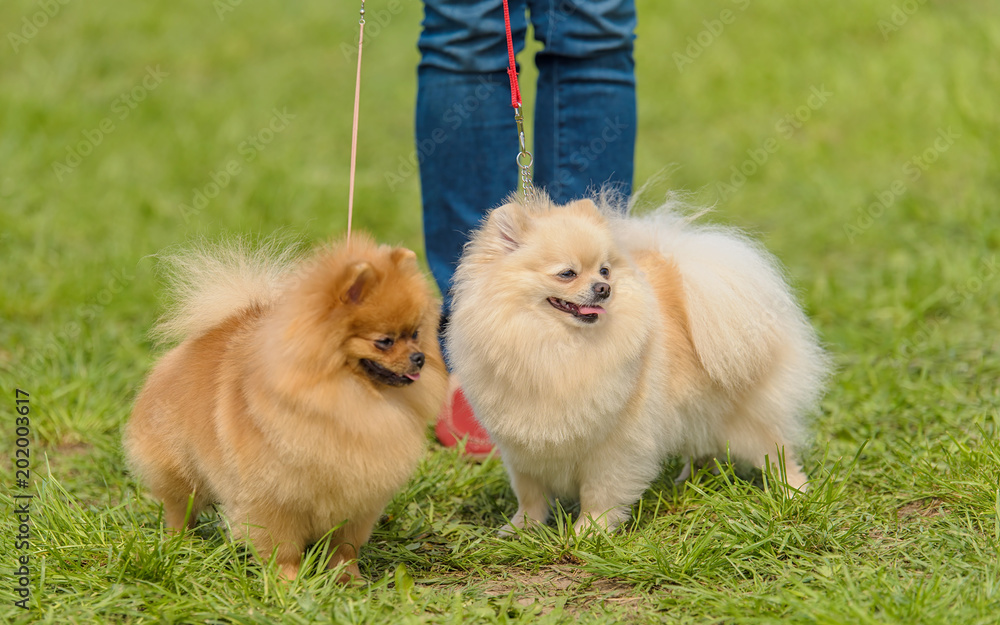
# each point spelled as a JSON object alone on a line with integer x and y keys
{"x": 922, "y": 508}
{"x": 72, "y": 448}
{"x": 918, "y": 511}
{"x": 551, "y": 583}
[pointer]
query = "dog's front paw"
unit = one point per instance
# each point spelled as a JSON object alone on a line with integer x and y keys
{"x": 607, "y": 521}
{"x": 685, "y": 472}
{"x": 507, "y": 531}
{"x": 521, "y": 520}
{"x": 692, "y": 466}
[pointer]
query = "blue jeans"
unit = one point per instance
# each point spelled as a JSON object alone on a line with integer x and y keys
{"x": 585, "y": 111}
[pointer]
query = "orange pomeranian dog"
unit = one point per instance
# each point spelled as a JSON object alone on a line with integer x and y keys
{"x": 298, "y": 398}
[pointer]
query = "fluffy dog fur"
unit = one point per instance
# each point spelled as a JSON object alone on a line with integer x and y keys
{"x": 293, "y": 399}
{"x": 592, "y": 345}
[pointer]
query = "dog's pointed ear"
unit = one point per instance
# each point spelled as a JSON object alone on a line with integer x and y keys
{"x": 510, "y": 222}
{"x": 358, "y": 282}
{"x": 400, "y": 255}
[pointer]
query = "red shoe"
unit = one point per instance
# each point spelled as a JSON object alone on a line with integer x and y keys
{"x": 456, "y": 422}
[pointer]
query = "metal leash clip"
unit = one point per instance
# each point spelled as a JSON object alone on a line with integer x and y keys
{"x": 524, "y": 159}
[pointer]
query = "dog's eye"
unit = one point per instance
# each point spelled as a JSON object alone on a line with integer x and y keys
{"x": 385, "y": 343}
{"x": 605, "y": 272}
{"x": 416, "y": 334}
{"x": 569, "y": 274}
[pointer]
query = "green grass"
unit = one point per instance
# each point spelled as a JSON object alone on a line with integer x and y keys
{"x": 899, "y": 272}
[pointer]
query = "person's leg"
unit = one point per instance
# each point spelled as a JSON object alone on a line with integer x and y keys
{"x": 466, "y": 137}
{"x": 467, "y": 144}
{"x": 585, "y": 114}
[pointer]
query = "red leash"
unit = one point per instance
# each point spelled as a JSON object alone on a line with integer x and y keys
{"x": 515, "y": 90}
{"x": 523, "y": 156}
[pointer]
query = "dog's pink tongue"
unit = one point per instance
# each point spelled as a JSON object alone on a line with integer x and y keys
{"x": 412, "y": 376}
{"x": 591, "y": 310}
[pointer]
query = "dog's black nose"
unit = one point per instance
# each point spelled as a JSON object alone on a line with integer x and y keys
{"x": 417, "y": 359}
{"x": 602, "y": 289}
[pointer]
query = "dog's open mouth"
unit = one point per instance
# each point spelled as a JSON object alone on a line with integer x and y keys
{"x": 586, "y": 314}
{"x": 378, "y": 373}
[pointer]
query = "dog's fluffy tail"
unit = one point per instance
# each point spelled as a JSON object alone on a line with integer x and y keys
{"x": 741, "y": 310}
{"x": 209, "y": 282}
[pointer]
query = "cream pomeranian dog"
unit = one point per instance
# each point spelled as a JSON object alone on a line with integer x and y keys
{"x": 592, "y": 345}
{"x": 299, "y": 397}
